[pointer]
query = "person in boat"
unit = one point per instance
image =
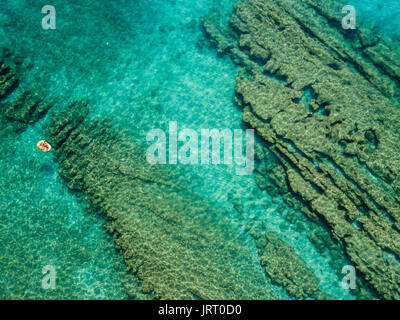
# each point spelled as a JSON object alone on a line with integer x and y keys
{"x": 43, "y": 146}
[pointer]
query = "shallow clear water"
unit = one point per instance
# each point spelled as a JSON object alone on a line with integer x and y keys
{"x": 142, "y": 64}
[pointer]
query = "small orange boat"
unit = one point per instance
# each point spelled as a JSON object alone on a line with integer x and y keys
{"x": 44, "y": 146}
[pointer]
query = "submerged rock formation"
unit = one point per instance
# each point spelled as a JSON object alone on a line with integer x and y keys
{"x": 175, "y": 242}
{"x": 8, "y": 80}
{"x": 326, "y": 104}
{"x": 27, "y": 108}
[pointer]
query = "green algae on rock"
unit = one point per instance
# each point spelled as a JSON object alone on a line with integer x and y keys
{"x": 8, "y": 80}
{"x": 284, "y": 266}
{"x": 327, "y": 106}
{"x": 175, "y": 242}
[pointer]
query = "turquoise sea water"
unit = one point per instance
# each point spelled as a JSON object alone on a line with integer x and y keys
{"x": 141, "y": 63}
